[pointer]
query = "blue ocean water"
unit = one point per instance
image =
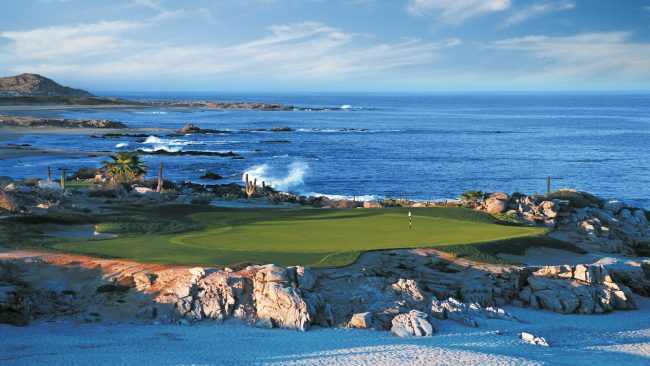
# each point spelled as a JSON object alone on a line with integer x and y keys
{"x": 424, "y": 146}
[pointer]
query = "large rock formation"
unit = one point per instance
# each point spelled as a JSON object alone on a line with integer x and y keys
{"x": 99, "y": 289}
{"x": 412, "y": 324}
{"x": 582, "y": 289}
{"x": 34, "y": 85}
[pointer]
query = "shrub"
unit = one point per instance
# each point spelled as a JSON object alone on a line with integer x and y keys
{"x": 576, "y": 198}
{"x": 86, "y": 173}
{"x": 201, "y": 199}
{"x": 50, "y": 197}
{"x": 170, "y": 194}
{"x": 8, "y": 203}
{"x": 153, "y": 184}
{"x": 31, "y": 181}
{"x": 108, "y": 193}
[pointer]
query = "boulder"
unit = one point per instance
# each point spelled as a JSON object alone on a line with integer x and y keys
{"x": 608, "y": 218}
{"x": 305, "y": 278}
{"x": 371, "y": 204}
{"x": 495, "y": 206}
{"x": 465, "y": 313}
{"x": 361, "y": 320}
{"x": 583, "y": 289}
{"x": 641, "y": 216}
{"x": 412, "y": 324}
{"x": 532, "y": 339}
{"x": 277, "y": 301}
{"x": 550, "y": 209}
{"x": 614, "y": 206}
{"x": 409, "y": 291}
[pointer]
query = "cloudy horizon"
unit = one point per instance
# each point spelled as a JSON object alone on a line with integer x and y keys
{"x": 344, "y": 45}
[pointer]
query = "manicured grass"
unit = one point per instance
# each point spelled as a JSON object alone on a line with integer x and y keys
{"x": 314, "y": 237}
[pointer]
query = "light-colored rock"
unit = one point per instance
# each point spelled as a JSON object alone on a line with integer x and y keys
{"x": 532, "y": 339}
{"x": 549, "y": 208}
{"x": 305, "y": 278}
{"x": 361, "y": 320}
{"x": 371, "y": 204}
{"x": 277, "y": 301}
{"x": 412, "y": 324}
{"x": 143, "y": 190}
{"x": 464, "y": 313}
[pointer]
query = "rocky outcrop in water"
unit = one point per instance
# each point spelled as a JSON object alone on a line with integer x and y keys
{"x": 35, "y": 122}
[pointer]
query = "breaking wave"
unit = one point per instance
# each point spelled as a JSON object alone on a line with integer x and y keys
{"x": 122, "y": 144}
{"x": 283, "y": 179}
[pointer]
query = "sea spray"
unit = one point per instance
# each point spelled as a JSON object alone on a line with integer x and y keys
{"x": 288, "y": 179}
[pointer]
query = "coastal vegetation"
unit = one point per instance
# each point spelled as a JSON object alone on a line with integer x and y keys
{"x": 125, "y": 168}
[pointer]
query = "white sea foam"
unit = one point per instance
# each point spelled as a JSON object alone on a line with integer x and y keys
{"x": 162, "y": 147}
{"x": 151, "y": 112}
{"x": 346, "y": 106}
{"x": 283, "y": 179}
{"x": 122, "y": 144}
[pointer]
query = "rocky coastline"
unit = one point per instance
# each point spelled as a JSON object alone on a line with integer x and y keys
{"x": 408, "y": 292}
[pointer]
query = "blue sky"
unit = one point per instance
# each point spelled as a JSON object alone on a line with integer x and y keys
{"x": 330, "y": 45}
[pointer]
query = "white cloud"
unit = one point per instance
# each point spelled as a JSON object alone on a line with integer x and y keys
{"x": 538, "y": 9}
{"x": 597, "y": 55}
{"x": 152, "y": 4}
{"x": 457, "y": 11}
{"x": 306, "y": 50}
{"x": 58, "y": 41}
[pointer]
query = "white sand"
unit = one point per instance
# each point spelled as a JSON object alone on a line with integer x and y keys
{"x": 620, "y": 337}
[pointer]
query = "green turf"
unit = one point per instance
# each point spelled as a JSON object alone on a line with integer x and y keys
{"x": 314, "y": 237}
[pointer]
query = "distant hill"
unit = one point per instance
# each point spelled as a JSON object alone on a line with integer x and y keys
{"x": 34, "y": 85}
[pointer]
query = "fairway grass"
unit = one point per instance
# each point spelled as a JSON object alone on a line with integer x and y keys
{"x": 312, "y": 237}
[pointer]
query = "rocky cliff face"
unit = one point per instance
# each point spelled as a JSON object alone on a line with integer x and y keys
{"x": 33, "y": 85}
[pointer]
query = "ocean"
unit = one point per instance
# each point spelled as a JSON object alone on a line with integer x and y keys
{"x": 423, "y": 146}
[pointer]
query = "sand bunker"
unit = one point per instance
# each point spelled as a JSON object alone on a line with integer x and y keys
{"x": 72, "y": 231}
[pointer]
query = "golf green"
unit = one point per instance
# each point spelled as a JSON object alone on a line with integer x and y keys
{"x": 313, "y": 237}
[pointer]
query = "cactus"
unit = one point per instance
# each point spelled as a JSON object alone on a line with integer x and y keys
{"x": 63, "y": 178}
{"x": 250, "y": 186}
{"x": 49, "y": 176}
{"x": 160, "y": 178}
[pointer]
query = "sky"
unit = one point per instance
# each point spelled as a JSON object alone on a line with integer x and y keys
{"x": 330, "y": 45}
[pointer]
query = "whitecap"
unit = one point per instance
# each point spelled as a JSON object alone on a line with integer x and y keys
{"x": 162, "y": 147}
{"x": 122, "y": 144}
{"x": 283, "y": 179}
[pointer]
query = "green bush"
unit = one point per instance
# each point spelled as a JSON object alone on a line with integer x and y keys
{"x": 86, "y": 173}
{"x": 201, "y": 199}
{"x": 576, "y": 198}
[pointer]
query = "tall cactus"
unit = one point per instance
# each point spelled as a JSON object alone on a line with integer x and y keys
{"x": 160, "y": 178}
{"x": 49, "y": 176}
{"x": 63, "y": 178}
{"x": 250, "y": 186}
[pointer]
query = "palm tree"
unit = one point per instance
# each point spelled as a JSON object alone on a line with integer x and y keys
{"x": 125, "y": 168}
{"x": 472, "y": 196}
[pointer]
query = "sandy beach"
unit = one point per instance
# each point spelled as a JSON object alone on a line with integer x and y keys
{"x": 573, "y": 339}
